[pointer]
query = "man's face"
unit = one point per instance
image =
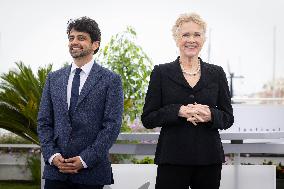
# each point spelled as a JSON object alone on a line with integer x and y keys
{"x": 80, "y": 44}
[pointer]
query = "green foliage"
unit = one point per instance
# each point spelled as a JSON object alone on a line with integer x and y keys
{"x": 127, "y": 59}
{"x": 119, "y": 158}
{"x": 146, "y": 160}
{"x": 267, "y": 162}
{"x": 33, "y": 163}
{"x": 13, "y": 139}
{"x": 20, "y": 94}
{"x": 18, "y": 185}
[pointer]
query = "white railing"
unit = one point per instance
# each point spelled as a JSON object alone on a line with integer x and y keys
{"x": 269, "y": 142}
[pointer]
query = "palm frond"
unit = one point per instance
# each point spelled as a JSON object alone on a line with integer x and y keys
{"x": 20, "y": 94}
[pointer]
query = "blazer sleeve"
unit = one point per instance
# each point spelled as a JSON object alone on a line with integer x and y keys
{"x": 154, "y": 113}
{"x": 45, "y": 123}
{"x": 111, "y": 125}
{"x": 222, "y": 114}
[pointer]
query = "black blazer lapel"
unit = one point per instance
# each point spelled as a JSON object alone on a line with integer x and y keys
{"x": 93, "y": 78}
{"x": 173, "y": 71}
{"x": 207, "y": 75}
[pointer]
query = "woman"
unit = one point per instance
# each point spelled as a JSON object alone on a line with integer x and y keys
{"x": 190, "y": 100}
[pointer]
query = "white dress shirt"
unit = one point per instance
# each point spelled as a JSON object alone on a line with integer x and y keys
{"x": 83, "y": 77}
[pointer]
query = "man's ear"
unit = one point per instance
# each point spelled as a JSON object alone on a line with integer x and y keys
{"x": 95, "y": 45}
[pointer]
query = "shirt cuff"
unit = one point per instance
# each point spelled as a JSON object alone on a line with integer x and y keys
{"x": 83, "y": 163}
{"x": 52, "y": 157}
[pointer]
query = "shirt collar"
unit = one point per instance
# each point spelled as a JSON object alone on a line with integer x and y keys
{"x": 86, "y": 68}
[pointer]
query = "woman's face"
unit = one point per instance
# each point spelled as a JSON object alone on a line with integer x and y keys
{"x": 190, "y": 39}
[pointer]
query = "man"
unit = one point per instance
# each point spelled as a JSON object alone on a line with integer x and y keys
{"x": 80, "y": 115}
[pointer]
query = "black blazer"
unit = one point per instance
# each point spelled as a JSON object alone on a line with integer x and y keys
{"x": 180, "y": 142}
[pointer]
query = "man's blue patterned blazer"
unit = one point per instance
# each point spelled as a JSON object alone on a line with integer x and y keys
{"x": 93, "y": 129}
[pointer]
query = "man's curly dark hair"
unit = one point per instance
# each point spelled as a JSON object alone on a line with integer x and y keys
{"x": 88, "y": 25}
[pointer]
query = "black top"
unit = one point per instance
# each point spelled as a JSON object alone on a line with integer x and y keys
{"x": 180, "y": 142}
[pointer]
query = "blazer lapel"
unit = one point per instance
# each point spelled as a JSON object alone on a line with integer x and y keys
{"x": 62, "y": 86}
{"x": 174, "y": 73}
{"x": 205, "y": 78}
{"x": 93, "y": 78}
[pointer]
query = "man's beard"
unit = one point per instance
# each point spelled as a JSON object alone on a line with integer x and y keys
{"x": 80, "y": 54}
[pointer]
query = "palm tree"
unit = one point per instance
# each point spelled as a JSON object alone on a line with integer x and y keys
{"x": 20, "y": 94}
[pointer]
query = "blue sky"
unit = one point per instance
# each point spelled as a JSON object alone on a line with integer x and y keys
{"x": 34, "y": 31}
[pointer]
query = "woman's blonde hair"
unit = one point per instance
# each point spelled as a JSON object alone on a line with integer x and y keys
{"x": 183, "y": 18}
